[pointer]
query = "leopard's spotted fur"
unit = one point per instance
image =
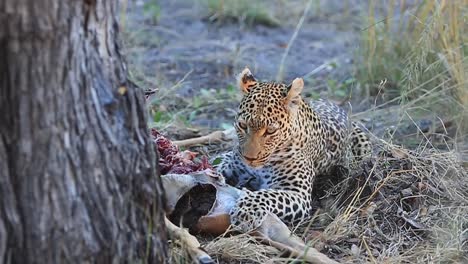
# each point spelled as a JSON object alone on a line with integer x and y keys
{"x": 283, "y": 143}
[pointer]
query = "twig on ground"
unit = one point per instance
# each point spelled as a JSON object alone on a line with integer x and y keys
{"x": 279, "y": 77}
{"x": 213, "y": 137}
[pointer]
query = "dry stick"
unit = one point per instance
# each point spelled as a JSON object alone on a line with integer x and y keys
{"x": 180, "y": 81}
{"x": 348, "y": 211}
{"x": 382, "y": 184}
{"x": 318, "y": 69}
{"x": 279, "y": 77}
{"x": 210, "y": 138}
{"x": 369, "y": 252}
{"x": 123, "y": 15}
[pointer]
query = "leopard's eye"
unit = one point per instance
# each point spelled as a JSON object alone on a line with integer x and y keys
{"x": 242, "y": 125}
{"x": 270, "y": 130}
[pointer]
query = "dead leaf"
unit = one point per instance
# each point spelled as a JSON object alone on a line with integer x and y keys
{"x": 422, "y": 186}
{"x": 423, "y": 211}
{"x": 355, "y": 250}
{"x": 406, "y": 192}
{"x": 399, "y": 153}
{"x": 313, "y": 234}
{"x": 369, "y": 210}
{"x": 122, "y": 90}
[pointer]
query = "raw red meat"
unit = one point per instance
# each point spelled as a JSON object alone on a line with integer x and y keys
{"x": 171, "y": 160}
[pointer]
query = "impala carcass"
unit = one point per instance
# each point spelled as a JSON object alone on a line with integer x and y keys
{"x": 202, "y": 200}
{"x": 198, "y": 198}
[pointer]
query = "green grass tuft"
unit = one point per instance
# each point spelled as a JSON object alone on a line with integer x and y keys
{"x": 248, "y": 12}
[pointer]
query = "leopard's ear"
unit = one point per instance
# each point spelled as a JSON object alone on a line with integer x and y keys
{"x": 294, "y": 92}
{"x": 246, "y": 80}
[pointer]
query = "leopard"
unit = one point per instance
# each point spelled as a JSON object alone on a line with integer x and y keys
{"x": 283, "y": 142}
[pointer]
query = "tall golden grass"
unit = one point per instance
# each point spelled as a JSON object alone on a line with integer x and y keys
{"x": 423, "y": 51}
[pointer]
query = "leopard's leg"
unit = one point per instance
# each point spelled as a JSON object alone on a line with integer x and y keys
{"x": 252, "y": 209}
{"x": 264, "y": 214}
{"x": 360, "y": 142}
{"x": 238, "y": 174}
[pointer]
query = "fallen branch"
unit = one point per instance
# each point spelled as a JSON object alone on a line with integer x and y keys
{"x": 214, "y": 137}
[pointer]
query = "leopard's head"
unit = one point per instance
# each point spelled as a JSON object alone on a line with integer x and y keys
{"x": 266, "y": 113}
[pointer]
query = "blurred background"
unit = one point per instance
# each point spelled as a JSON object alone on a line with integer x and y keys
{"x": 398, "y": 66}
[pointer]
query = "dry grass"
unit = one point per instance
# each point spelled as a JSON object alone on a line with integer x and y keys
{"x": 417, "y": 49}
{"x": 401, "y": 206}
{"x": 412, "y": 59}
{"x": 242, "y": 248}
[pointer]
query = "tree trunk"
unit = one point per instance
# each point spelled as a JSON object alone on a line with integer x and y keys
{"x": 78, "y": 172}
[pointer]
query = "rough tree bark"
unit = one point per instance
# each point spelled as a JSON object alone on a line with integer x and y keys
{"x": 78, "y": 170}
